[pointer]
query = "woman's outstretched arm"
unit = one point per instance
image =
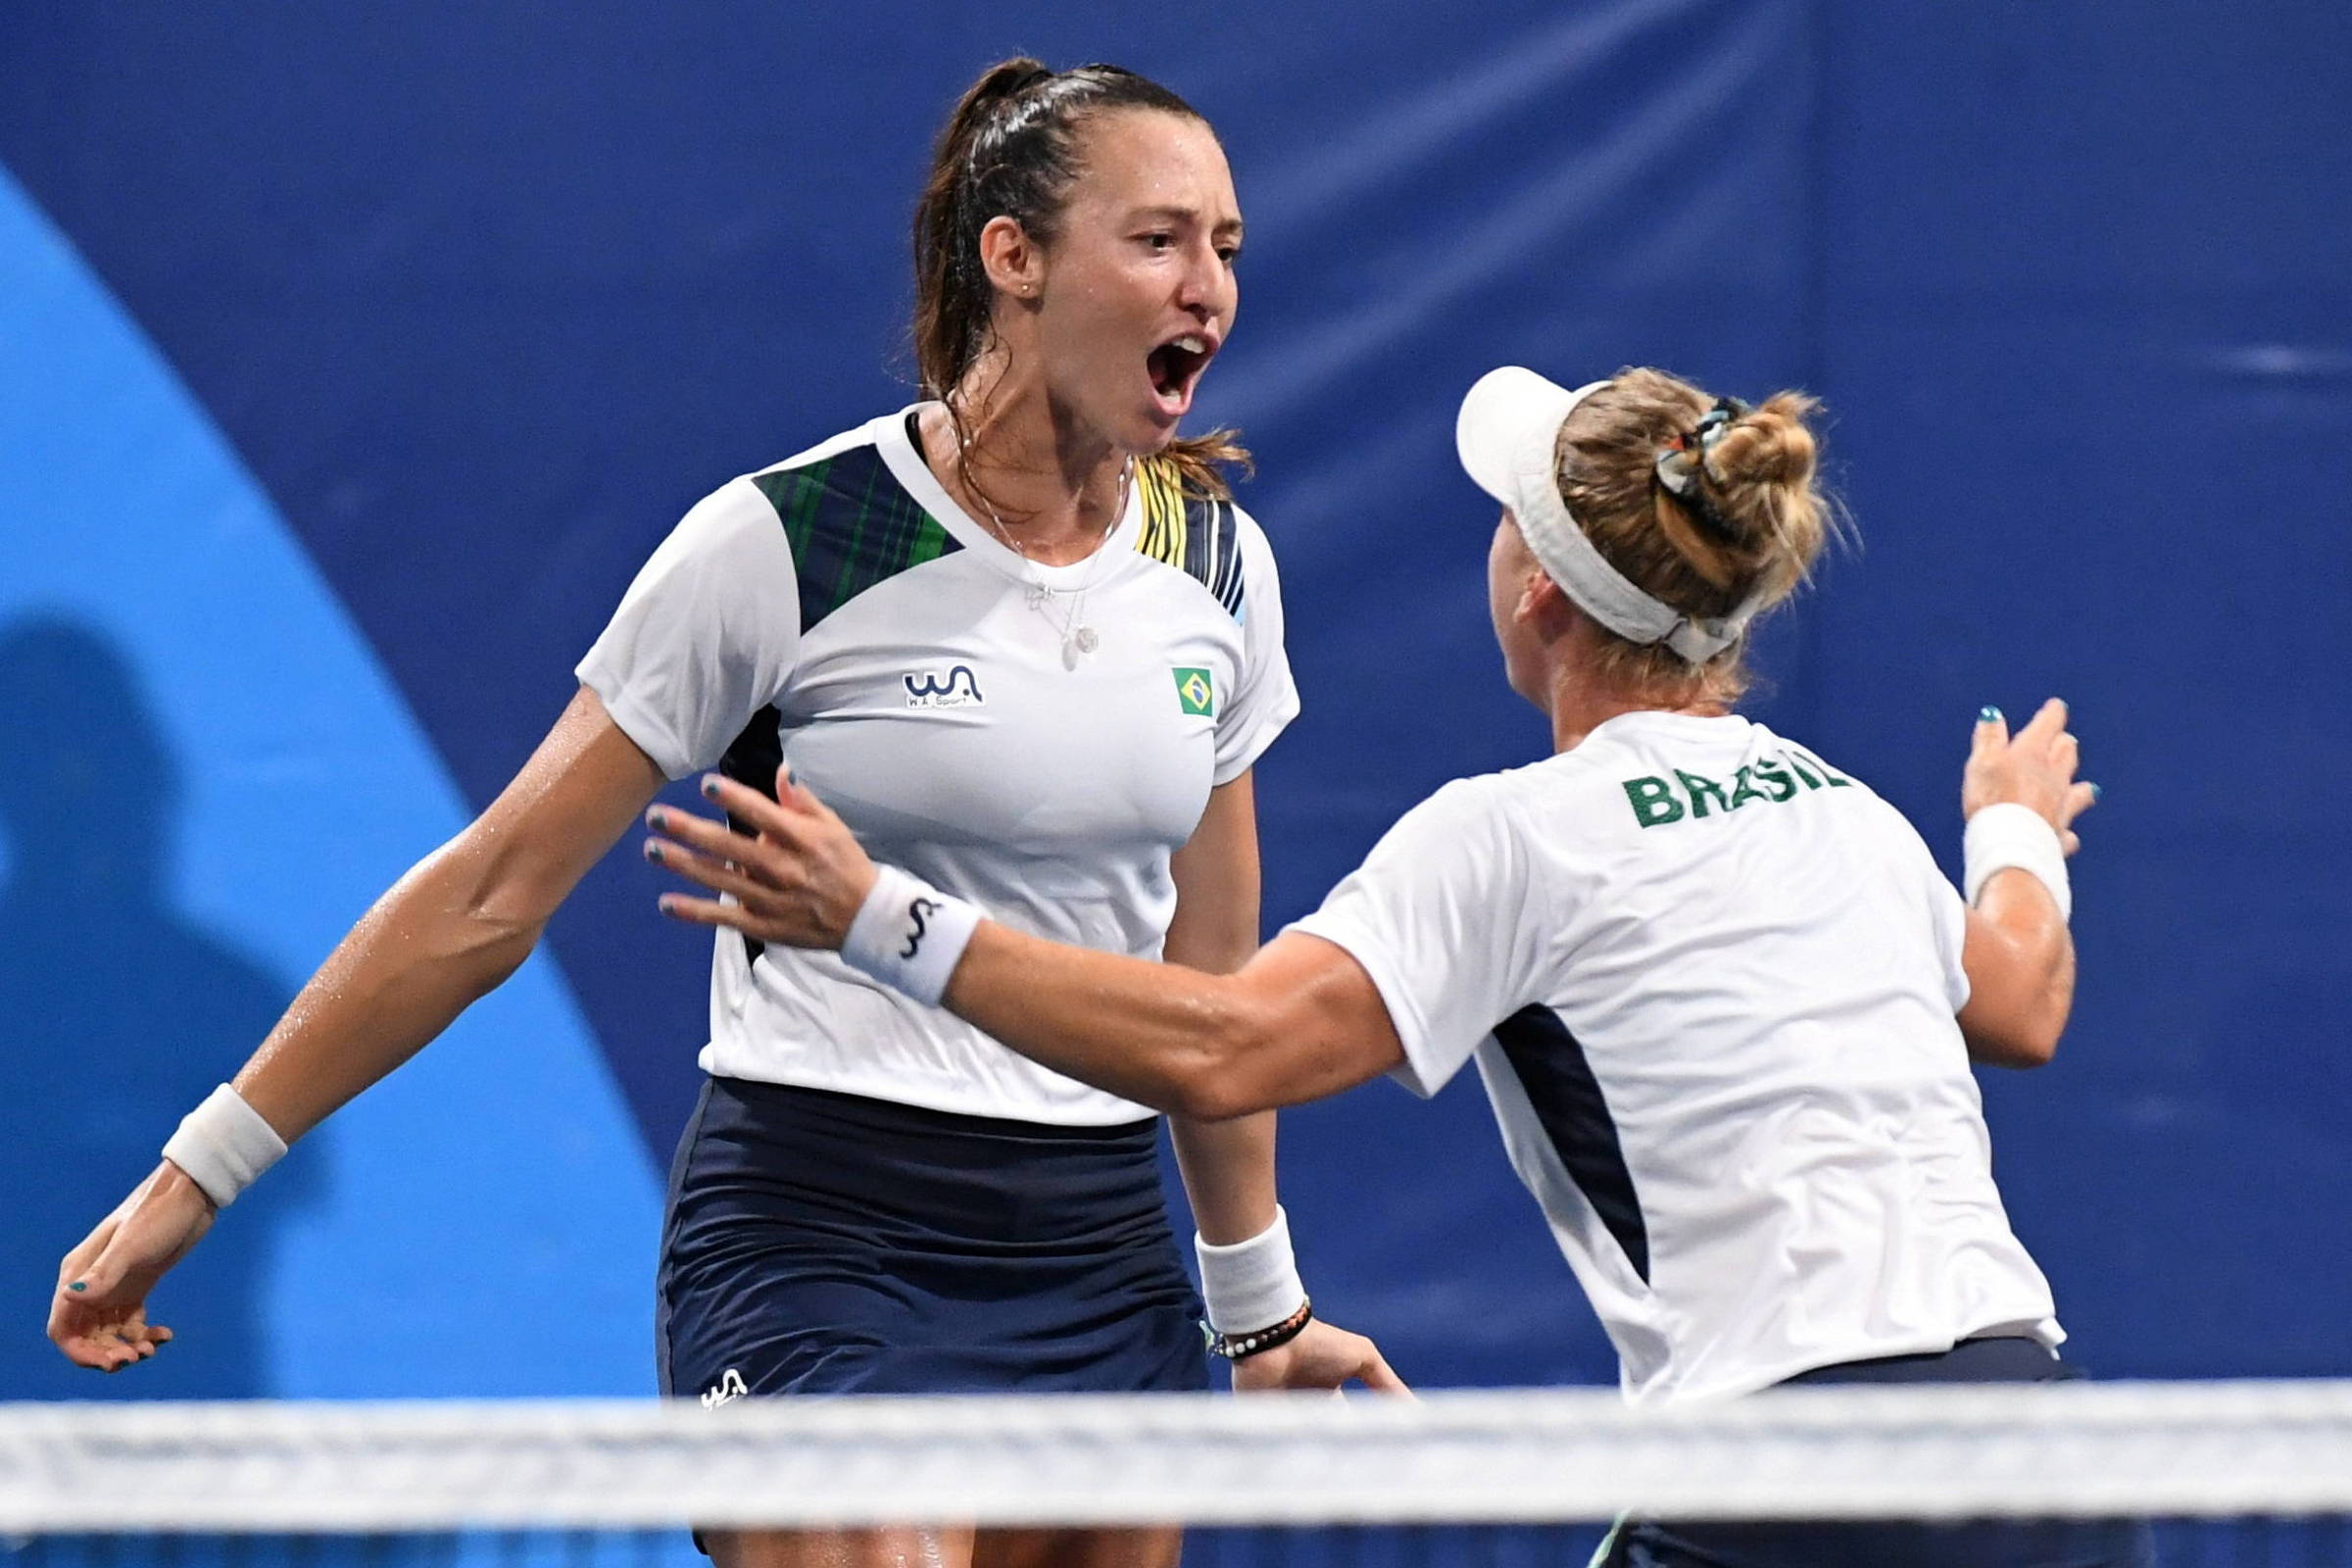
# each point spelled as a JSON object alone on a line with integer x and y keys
{"x": 2019, "y": 954}
{"x": 449, "y": 931}
{"x": 1301, "y": 1021}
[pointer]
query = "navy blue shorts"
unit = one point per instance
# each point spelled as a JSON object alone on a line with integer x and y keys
{"x": 822, "y": 1242}
{"x": 1991, "y": 1543}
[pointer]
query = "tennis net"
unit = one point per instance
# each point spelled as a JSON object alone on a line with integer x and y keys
{"x": 2232, "y": 1473}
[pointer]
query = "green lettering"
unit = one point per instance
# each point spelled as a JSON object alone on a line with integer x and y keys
{"x": 1811, "y": 782}
{"x": 1744, "y": 790}
{"x": 1699, "y": 789}
{"x": 1654, "y": 801}
{"x": 1836, "y": 779}
{"x": 1773, "y": 774}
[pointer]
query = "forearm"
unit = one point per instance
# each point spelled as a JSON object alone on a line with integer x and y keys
{"x": 1228, "y": 1166}
{"x": 1302, "y": 1021}
{"x": 457, "y": 925}
{"x": 1228, "y": 1169}
{"x": 431, "y": 946}
{"x": 2020, "y": 961}
{"x": 1158, "y": 1034}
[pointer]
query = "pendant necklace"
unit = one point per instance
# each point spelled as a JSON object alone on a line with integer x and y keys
{"x": 1077, "y": 637}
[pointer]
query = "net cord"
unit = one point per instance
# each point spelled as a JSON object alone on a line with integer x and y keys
{"x": 2281, "y": 1448}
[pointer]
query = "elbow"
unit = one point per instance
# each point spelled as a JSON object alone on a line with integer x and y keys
{"x": 1199, "y": 1098}
{"x": 501, "y": 923}
{"x": 490, "y": 925}
{"x": 2024, "y": 1046}
{"x": 1217, "y": 1080}
{"x": 2020, "y": 1057}
{"x": 2036, "y": 1047}
{"x": 496, "y": 947}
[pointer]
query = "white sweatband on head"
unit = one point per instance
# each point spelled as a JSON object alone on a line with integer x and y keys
{"x": 1505, "y": 435}
{"x": 1251, "y": 1285}
{"x": 909, "y": 935}
{"x": 2009, "y": 835}
{"x": 224, "y": 1145}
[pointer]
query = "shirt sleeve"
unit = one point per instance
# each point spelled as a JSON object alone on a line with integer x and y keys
{"x": 706, "y": 636}
{"x": 1437, "y": 914}
{"x": 1265, "y": 699}
{"x": 1949, "y": 912}
{"x": 1946, "y": 909}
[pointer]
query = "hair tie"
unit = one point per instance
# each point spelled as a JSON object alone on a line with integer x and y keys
{"x": 1677, "y": 466}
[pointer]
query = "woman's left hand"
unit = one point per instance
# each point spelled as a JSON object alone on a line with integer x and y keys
{"x": 1324, "y": 1356}
{"x": 797, "y": 879}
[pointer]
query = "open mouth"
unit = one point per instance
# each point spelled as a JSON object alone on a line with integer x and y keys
{"x": 1175, "y": 368}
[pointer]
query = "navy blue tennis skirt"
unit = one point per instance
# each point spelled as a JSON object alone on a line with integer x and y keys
{"x": 823, "y": 1242}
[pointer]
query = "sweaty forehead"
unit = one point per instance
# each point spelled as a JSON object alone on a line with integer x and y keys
{"x": 1137, "y": 159}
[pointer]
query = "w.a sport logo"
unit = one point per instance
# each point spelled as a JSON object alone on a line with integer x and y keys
{"x": 959, "y": 688}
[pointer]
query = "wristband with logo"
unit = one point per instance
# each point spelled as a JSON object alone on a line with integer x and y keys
{"x": 909, "y": 935}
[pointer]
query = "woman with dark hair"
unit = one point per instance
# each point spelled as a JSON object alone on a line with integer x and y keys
{"x": 1026, "y": 639}
{"x": 1721, "y": 998}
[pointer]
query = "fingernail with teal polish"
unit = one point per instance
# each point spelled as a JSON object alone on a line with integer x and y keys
{"x": 79, "y": 1285}
{"x": 710, "y": 786}
{"x": 2094, "y": 792}
{"x": 653, "y": 850}
{"x": 1988, "y": 715}
{"x": 658, "y": 820}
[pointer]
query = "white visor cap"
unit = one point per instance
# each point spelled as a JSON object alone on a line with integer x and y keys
{"x": 1507, "y": 434}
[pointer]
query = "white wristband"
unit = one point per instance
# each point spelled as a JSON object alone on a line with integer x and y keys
{"x": 224, "y": 1145}
{"x": 1251, "y": 1285}
{"x": 909, "y": 935}
{"x": 2009, "y": 835}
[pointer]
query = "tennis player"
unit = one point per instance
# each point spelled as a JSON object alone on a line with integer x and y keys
{"x": 1026, "y": 641}
{"x": 1723, "y": 1000}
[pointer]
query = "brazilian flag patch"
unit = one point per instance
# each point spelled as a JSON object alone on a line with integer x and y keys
{"x": 1195, "y": 692}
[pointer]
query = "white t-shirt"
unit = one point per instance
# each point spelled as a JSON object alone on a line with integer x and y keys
{"x": 839, "y": 609}
{"x": 1710, "y": 983}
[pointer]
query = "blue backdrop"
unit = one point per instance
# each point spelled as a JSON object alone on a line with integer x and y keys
{"x": 350, "y": 360}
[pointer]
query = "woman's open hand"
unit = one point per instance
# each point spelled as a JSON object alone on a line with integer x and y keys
{"x": 2034, "y": 768}
{"x": 796, "y": 879}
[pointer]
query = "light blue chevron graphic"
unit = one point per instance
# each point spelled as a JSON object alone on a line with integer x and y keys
{"x": 483, "y": 1223}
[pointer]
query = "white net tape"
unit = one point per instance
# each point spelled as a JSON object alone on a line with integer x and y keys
{"x": 2228, "y": 1448}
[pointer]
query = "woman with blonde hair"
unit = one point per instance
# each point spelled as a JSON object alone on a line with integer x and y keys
{"x": 1723, "y": 1000}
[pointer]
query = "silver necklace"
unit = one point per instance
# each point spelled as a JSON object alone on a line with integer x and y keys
{"x": 1077, "y": 637}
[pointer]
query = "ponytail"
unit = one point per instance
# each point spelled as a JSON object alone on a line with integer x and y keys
{"x": 948, "y": 278}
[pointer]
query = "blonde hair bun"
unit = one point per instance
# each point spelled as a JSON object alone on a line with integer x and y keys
{"x": 1752, "y": 520}
{"x": 1770, "y": 447}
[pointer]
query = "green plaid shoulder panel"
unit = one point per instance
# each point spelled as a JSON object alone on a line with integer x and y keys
{"x": 852, "y": 525}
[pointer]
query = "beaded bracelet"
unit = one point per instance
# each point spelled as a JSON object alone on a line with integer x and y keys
{"x": 1240, "y": 1346}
